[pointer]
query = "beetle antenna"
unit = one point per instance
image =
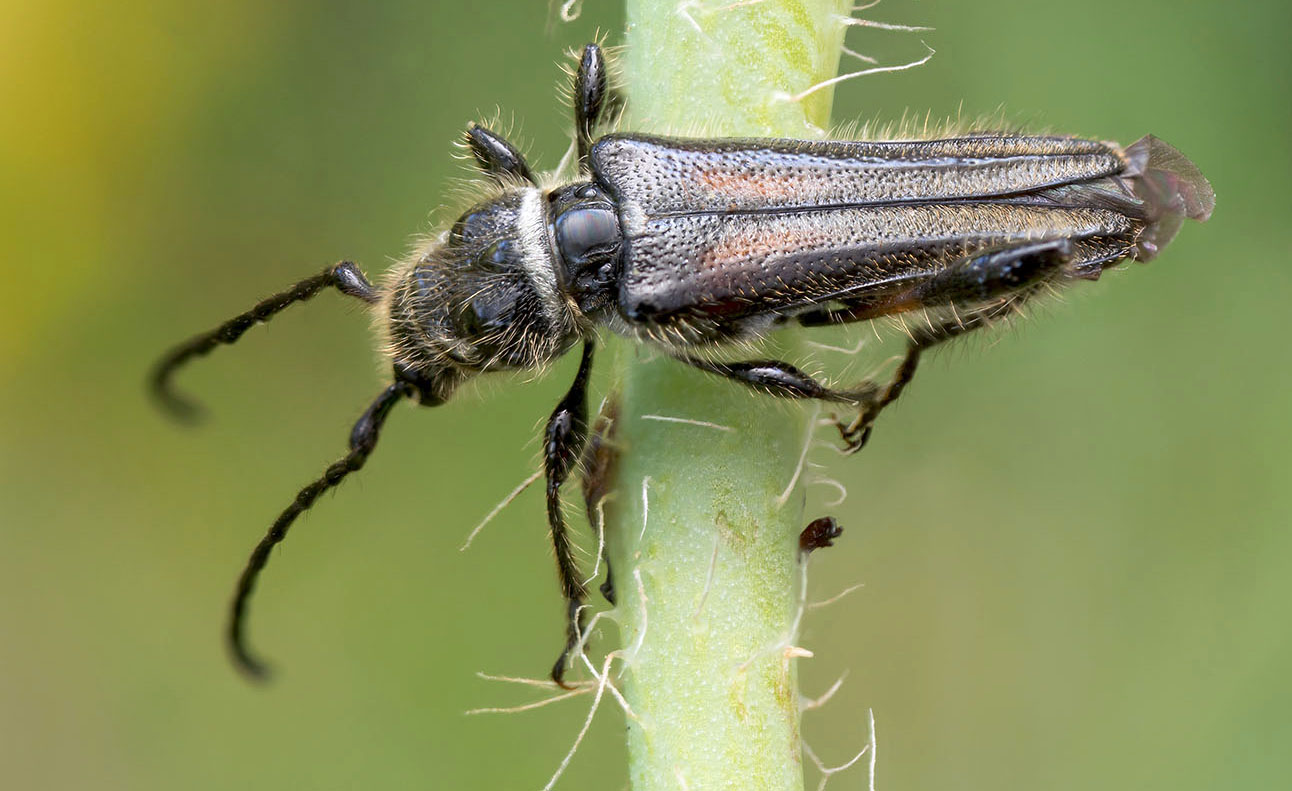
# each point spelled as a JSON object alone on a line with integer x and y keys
{"x": 345, "y": 277}
{"x": 363, "y": 438}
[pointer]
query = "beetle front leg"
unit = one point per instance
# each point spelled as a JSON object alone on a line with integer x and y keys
{"x": 566, "y": 434}
{"x": 600, "y": 460}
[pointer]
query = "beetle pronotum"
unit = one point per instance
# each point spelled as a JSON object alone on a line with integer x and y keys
{"x": 692, "y": 244}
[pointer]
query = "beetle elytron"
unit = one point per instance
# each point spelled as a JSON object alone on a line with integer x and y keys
{"x": 691, "y": 244}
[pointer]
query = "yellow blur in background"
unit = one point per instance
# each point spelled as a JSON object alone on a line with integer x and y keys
{"x": 1073, "y": 536}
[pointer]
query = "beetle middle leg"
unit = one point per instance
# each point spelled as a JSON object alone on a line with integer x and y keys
{"x": 563, "y": 441}
{"x": 599, "y": 466}
{"x": 782, "y": 379}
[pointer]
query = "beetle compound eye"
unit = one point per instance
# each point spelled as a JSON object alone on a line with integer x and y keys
{"x": 467, "y": 322}
{"x": 589, "y": 240}
{"x": 474, "y": 227}
{"x": 489, "y": 326}
{"x": 485, "y": 314}
{"x": 497, "y": 257}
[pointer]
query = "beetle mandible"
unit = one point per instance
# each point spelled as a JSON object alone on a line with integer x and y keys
{"x": 693, "y": 244}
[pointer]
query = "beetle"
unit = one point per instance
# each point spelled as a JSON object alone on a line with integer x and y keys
{"x": 691, "y": 245}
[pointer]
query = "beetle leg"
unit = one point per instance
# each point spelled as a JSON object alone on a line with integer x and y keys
{"x": 974, "y": 280}
{"x": 600, "y": 458}
{"x": 607, "y": 588}
{"x": 592, "y": 97}
{"x": 563, "y": 441}
{"x": 999, "y": 279}
{"x": 784, "y": 380}
{"x": 496, "y": 157}
{"x": 852, "y": 311}
{"x": 780, "y": 379}
{"x": 857, "y": 432}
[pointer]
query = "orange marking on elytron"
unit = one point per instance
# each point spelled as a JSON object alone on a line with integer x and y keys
{"x": 749, "y": 185}
{"x": 759, "y": 242}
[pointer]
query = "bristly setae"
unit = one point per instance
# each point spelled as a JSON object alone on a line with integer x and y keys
{"x": 691, "y": 244}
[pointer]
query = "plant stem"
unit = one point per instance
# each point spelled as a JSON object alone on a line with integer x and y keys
{"x": 702, "y": 528}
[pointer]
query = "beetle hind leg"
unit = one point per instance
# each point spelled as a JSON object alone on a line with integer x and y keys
{"x": 996, "y": 282}
{"x": 856, "y": 432}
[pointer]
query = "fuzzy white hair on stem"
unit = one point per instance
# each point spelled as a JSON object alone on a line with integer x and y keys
{"x": 808, "y": 704}
{"x": 708, "y": 577}
{"x": 831, "y": 482}
{"x": 687, "y": 421}
{"x": 497, "y": 509}
{"x": 784, "y": 496}
{"x": 816, "y": 605}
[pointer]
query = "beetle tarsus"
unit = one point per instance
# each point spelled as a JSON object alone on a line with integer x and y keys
{"x": 608, "y": 587}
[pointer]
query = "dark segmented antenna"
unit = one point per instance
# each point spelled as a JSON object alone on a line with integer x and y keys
{"x": 345, "y": 277}
{"x": 363, "y": 439}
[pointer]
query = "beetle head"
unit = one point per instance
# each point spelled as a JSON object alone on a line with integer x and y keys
{"x": 484, "y": 297}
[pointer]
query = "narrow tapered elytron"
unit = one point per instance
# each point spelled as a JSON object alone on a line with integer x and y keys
{"x": 691, "y": 245}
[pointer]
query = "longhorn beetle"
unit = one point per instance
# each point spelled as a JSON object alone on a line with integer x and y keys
{"x": 693, "y": 244}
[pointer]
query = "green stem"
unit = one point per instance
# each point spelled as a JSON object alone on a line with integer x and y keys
{"x": 703, "y": 524}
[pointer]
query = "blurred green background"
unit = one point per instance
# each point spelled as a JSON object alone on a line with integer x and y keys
{"x": 1073, "y": 537}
